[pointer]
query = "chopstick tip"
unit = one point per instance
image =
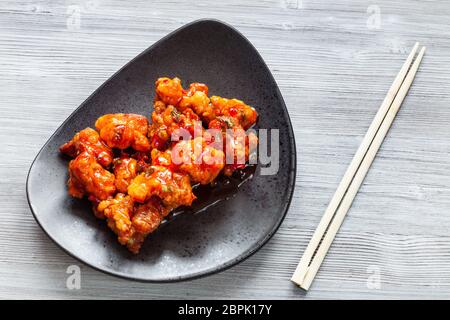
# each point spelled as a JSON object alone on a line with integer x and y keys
{"x": 421, "y": 52}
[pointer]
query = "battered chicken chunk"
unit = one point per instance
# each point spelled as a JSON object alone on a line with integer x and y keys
{"x": 168, "y": 121}
{"x": 173, "y": 188}
{"x": 169, "y": 91}
{"x": 197, "y": 99}
{"x": 202, "y": 162}
{"x": 125, "y": 169}
{"x": 147, "y": 218}
{"x": 88, "y": 140}
{"x": 122, "y": 131}
{"x": 197, "y": 87}
{"x": 87, "y": 176}
{"x": 118, "y": 212}
{"x": 242, "y": 114}
{"x": 132, "y": 223}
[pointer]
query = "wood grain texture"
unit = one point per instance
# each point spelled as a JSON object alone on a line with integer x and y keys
{"x": 333, "y": 70}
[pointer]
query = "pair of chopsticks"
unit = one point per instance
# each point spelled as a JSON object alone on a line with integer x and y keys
{"x": 354, "y": 176}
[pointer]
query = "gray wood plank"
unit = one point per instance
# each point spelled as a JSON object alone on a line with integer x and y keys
{"x": 333, "y": 70}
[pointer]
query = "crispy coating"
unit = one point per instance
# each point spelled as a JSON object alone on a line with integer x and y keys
{"x": 242, "y": 114}
{"x": 147, "y": 218}
{"x": 118, "y": 212}
{"x": 87, "y": 176}
{"x": 122, "y": 131}
{"x": 173, "y": 188}
{"x": 125, "y": 169}
{"x": 169, "y": 91}
{"x": 132, "y": 223}
{"x": 200, "y": 103}
{"x": 197, "y": 99}
{"x": 202, "y": 162}
{"x": 168, "y": 122}
{"x": 197, "y": 87}
{"x": 88, "y": 140}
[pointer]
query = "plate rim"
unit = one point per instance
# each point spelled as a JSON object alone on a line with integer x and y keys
{"x": 224, "y": 266}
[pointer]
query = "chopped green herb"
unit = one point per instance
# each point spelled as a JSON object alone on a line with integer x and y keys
{"x": 176, "y": 115}
{"x": 227, "y": 121}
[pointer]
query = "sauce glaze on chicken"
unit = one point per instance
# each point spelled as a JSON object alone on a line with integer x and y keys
{"x": 136, "y": 172}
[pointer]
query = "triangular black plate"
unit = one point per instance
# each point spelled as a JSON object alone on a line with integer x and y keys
{"x": 206, "y": 51}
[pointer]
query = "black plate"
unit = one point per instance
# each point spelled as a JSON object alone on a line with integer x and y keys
{"x": 206, "y": 51}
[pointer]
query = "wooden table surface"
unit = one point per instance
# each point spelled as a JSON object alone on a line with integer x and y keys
{"x": 334, "y": 62}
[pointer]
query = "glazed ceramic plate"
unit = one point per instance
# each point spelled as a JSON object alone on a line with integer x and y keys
{"x": 191, "y": 245}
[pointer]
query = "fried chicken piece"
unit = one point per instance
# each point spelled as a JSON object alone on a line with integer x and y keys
{"x": 197, "y": 99}
{"x": 125, "y": 169}
{"x": 202, "y": 162}
{"x": 121, "y": 130}
{"x": 224, "y": 123}
{"x": 173, "y": 188}
{"x": 118, "y": 211}
{"x": 132, "y": 223}
{"x": 169, "y": 90}
{"x": 87, "y": 176}
{"x": 167, "y": 122}
{"x": 237, "y": 143}
{"x": 197, "y": 87}
{"x": 147, "y": 218}
{"x": 88, "y": 140}
{"x": 200, "y": 103}
{"x": 242, "y": 114}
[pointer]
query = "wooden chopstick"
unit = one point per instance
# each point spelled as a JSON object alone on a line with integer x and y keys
{"x": 302, "y": 267}
{"x": 347, "y": 189}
